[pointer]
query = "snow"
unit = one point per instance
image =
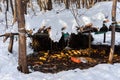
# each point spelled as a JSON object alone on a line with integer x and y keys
{"x": 9, "y": 62}
{"x": 64, "y": 18}
{"x": 98, "y": 38}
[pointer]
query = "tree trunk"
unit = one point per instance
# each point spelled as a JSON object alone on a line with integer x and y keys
{"x": 83, "y": 3}
{"x": 39, "y": 4}
{"x": 113, "y": 30}
{"x": 49, "y": 5}
{"x": 78, "y": 4}
{"x": 22, "y": 37}
{"x": 7, "y": 2}
{"x": 67, "y": 3}
{"x": 15, "y": 15}
{"x": 24, "y": 5}
{"x": 11, "y": 4}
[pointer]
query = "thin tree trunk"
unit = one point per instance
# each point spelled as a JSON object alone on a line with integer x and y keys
{"x": 7, "y": 9}
{"x": 6, "y": 19}
{"x": 31, "y": 5}
{"x": 22, "y": 37}
{"x": 7, "y": 2}
{"x": 113, "y": 31}
{"x": 67, "y": 3}
{"x": 11, "y": 4}
{"x": 15, "y": 13}
{"x": 83, "y": 3}
{"x": 49, "y": 5}
{"x": 93, "y": 2}
{"x": 87, "y": 4}
{"x": 40, "y": 4}
{"x": 78, "y": 4}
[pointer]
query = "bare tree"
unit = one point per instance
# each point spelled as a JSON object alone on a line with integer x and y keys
{"x": 22, "y": 37}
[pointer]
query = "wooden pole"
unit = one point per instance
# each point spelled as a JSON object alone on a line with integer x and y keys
{"x": 22, "y": 61}
{"x": 113, "y": 31}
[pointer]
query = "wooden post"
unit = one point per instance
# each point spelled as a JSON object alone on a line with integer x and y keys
{"x": 89, "y": 40}
{"x": 113, "y": 31}
{"x": 22, "y": 61}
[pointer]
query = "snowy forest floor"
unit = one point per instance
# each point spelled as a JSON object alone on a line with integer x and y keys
{"x": 53, "y": 62}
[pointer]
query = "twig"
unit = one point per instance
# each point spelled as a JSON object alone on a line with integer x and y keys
{"x": 6, "y": 19}
{"x": 75, "y": 16}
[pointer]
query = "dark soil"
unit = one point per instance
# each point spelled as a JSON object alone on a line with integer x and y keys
{"x": 53, "y": 62}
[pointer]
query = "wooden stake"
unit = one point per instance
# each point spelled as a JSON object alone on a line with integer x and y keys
{"x": 104, "y": 40}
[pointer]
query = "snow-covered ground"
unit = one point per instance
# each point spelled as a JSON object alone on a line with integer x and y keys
{"x": 8, "y": 62}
